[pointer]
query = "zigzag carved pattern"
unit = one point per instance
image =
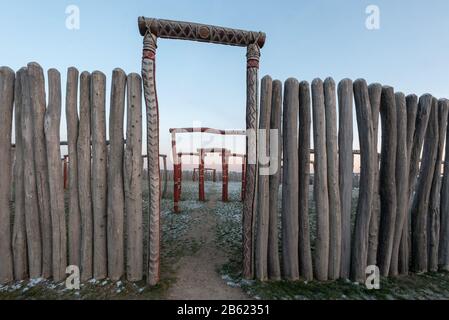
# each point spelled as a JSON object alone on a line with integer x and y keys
{"x": 249, "y": 203}
{"x": 149, "y": 85}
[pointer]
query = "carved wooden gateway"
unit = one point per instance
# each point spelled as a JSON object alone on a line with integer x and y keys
{"x": 152, "y": 29}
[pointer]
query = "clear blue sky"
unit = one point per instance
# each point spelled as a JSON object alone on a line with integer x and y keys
{"x": 204, "y": 82}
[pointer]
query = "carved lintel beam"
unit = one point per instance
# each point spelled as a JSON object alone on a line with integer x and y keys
{"x": 181, "y": 30}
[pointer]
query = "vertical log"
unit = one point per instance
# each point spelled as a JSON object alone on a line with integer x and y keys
{"x": 346, "y": 163}
{"x": 38, "y": 105}
{"x": 175, "y": 172}
{"x": 7, "y": 77}
{"x": 330, "y": 105}
{"x": 421, "y": 199}
{"x": 375, "y": 92}
{"x": 443, "y": 248}
{"x": 201, "y": 177}
{"x": 290, "y": 227}
{"x": 65, "y": 171}
{"x": 33, "y": 233}
{"x": 359, "y": 251}
{"x": 225, "y": 161}
{"x": 433, "y": 223}
{"x": 99, "y": 172}
{"x": 84, "y": 173}
{"x": 402, "y": 169}
{"x": 305, "y": 254}
{"x": 72, "y": 136}
{"x": 249, "y": 205}
{"x": 320, "y": 186}
{"x": 116, "y": 193}
{"x": 133, "y": 179}
{"x": 388, "y": 198}
{"x": 243, "y": 178}
{"x": 57, "y": 210}
{"x": 412, "y": 109}
{"x": 274, "y": 271}
{"x": 263, "y": 204}
{"x": 19, "y": 238}
{"x": 152, "y": 107}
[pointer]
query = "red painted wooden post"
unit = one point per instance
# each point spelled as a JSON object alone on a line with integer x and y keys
{"x": 66, "y": 172}
{"x": 224, "y": 161}
{"x": 201, "y": 176}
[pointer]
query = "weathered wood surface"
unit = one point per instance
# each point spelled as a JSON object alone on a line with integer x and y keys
{"x": 84, "y": 176}
{"x": 366, "y": 190}
{"x": 320, "y": 185}
{"x": 38, "y": 106}
{"x": 165, "y": 174}
{"x": 330, "y": 104}
{"x": 443, "y": 248}
{"x": 57, "y": 210}
{"x": 7, "y": 78}
{"x": 99, "y": 173}
{"x": 290, "y": 268}
{"x": 116, "y": 193}
{"x": 375, "y": 92}
{"x": 420, "y": 206}
{"x": 433, "y": 223}
{"x": 404, "y": 254}
{"x": 346, "y": 164}
{"x": 19, "y": 239}
{"x": 274, "y": 269}
{"x": 263, "y": 204}
{"x": 151, "y": 102}
{"x": 402, "y": 170}
{"x": 33, "y": 234}
{"x": 74, "y": 220}
{"x": 388, "y": 197}
{"x": 133, "y": 179}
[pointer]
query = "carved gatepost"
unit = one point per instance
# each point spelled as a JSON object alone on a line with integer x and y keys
{"x": 152, "y": 29}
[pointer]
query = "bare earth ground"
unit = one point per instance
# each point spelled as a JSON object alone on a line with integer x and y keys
{"x": 196, "y": 274}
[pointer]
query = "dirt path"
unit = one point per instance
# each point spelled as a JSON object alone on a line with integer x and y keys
{"x": 197, "y": 276}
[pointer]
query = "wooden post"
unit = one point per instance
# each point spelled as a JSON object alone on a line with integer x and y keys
{"x": 305, "y": 254}
{"x": 180, "y": 176}
{"x": 250, "y": 205}
{"x": 33, "y": 233}
{"x": 274, "y": 269}
{"x": 99, "y": 172}
{"x": 225, "y": 177}
{"x": 332, "y": 179}
{"x": 164, "y": 191}
{"x": 74, "y": 227}
{"x": 243, "y": 178}
{"x": 359, "y": 252}
{"x": 57, "y": 209}
{"x": 443, "y": 248}
{"x": 133, "y": 178}
{"x": 320, "y": 186}
{"x": 38, "y": 105}
{"x": 402, "y": 169}
{"x": 263, "y": 191}
{"x": 116, "y": 193}
{"x": 388, "y": 197}
{"x": 151, "y": 102}
{"x": 421, "y": 200}
{"x": 7, "y": 78}
{"x": 375, "y": 92}
{"x": 433, "y": 226}
{"x": 214, "y": 178}
{"x": 412, "y": 109}
{"x": 346, "y": 163}
{"x": 290, "y": 227}
{"x": 66, "y": 171}
{"x": 175, "y": 173}
{"x": 19, "y": 238}
{"x": 84, "y": 176}
{"x": 201, "y": 177}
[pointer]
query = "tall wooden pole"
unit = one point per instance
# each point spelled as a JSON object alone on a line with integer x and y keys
{"x": 201, "y": 194}
{"x": 443, "y": 249}
{"x": 7, "y": 77}
{"x": 346, "y": 164}
{"x": 176, "y": 181}
{"x": 57, "y": 209}
{"x": 249, "y": 205}
{"x": 38, "y": 105}
{"x": 151, "y": 102}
